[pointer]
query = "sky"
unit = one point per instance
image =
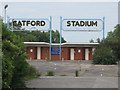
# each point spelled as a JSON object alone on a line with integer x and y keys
{"x": 79, "y": 10}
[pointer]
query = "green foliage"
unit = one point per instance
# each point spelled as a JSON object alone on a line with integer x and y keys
{"x": 13, "y": 58}
{"x": 7, "y": 71}
{"x": 15, "y": 68}
{"x": 91, "y": 41}
{"x": 104, "y": 55}
{"x": 98, "y": 40}
{"x": 76, "y": 73}
{"x": 7, "y": 63}
{"x": 113, "y": 40}
{"x": 40, "y": 36}
{"x": 32, "y": 73}
{"x": 0, "y": 52}
{"x": 108, "y": 51}
{"x": 50, "y": 73}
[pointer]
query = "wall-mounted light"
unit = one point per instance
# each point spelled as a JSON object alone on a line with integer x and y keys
{"x": 31, "y": 50}
{"x": 79, "y": 50}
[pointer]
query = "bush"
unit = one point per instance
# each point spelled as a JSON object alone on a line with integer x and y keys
{"x": 103, "y": 55}
{"x": 50, "y": 73}
{"x": 76, "y": 73}
{"x": 7, "y": 71}
{"x": 32, "y": 73}
{"x": 15, "y": 68}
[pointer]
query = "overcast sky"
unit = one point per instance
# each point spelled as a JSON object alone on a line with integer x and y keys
{"x": 79, "y": 10}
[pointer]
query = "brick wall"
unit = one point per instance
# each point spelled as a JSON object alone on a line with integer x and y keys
{"x": 65, "y": 53}
{"x": 79, "y": 54}
{"x": 45, "y": 53}
{"x": 31, "y": 53}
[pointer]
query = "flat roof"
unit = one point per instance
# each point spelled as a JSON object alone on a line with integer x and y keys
{"x": 68, "y": 44}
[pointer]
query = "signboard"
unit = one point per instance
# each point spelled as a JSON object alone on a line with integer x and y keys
{"x": 82, "y": 24}
{"x": 31, "y": 24}
{"x": 55, "y": 50}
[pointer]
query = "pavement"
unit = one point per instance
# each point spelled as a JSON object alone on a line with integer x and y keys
{"x": 90, "y": 76}
{"x": 73, "y": 82}
{"x": 66, "y": 68}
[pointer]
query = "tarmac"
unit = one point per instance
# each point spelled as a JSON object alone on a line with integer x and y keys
{"x": 90, "y": 76}
{"x": 73, "y": 82}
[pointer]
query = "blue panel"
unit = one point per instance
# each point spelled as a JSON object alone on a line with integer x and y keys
{"x": 55, "y": 50}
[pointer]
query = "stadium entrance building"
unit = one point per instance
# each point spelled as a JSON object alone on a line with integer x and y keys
{"x": 69, "y": 51}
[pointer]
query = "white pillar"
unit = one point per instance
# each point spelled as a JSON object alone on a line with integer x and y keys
{"x": 72, "y": 53}
{"x": 86, "y": 54}
{"x": 93, "y": 50}
{"x": 38, "y": 52}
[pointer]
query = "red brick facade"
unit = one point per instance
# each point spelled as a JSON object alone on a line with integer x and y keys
{"x": 31, "y": 53}
{"x": 79, "y": 53}
{"x": 65, "y": 53}
{"x": 44, "y": 53}
{"x": 90, "y": 53}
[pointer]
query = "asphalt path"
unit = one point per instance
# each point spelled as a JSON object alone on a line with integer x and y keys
{"x": 90, "y": 76}
{"x": 73, "y": 82}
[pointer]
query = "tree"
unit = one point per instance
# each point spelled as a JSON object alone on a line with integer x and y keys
{"x": 7, "y": 64}
{"x": 15, "y": 68}
{"x": 98, "y": 40}
{"x": 91, "y": 41}
{"x": 103, "y": 55}
{"x": 113, "y": 40}
{"x": 0, "y": 52}
{"x": 108, "y": 50}
{"x": 40, "y": 36}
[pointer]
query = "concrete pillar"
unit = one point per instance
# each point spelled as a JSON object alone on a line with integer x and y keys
{"x": 38, "y": 52}
{"x": 93, "y": 49}
{"x": 86, "y": 54}
{"x": 72, "y": 53}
